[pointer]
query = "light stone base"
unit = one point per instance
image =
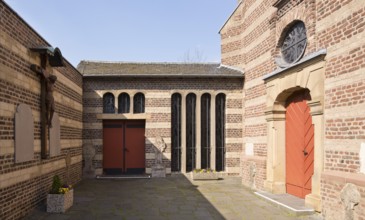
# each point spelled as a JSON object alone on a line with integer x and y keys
{"x": 60, "y": 203}
{"x": 88, "y": 174}
{"x": 204, "y": 176}
{"x": 274, "y": 187}
{"x": 313, "y": 201}
{"x": 158, "y": 172}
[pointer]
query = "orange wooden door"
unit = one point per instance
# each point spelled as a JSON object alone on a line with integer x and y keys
{"x": 299, "y": 146}
{"x": 113, "y": 153}
{"x": 135, "y": 147}
{"x": 123, "y": 147}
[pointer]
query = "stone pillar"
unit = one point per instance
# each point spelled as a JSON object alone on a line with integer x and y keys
{"x": 116, "y": 103}
{"x": 212, "y": 132}
{"x": 314, "y": 199}
{"x": 131, "y": 103}
{"x": 198, "y": 132}
{"x": 183, "y": 133}
{"x": 275, "y": 171}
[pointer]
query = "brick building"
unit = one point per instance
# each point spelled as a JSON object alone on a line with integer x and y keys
{"x": 26, "y": 165}
{"x": 303, "y": 101}
{"x": 284, "y": 110}
{"x": 195, "y": 108}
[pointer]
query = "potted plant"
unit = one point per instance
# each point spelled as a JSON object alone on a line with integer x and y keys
{"x": 204, "y": 174}
{"x": 60, "y": 198}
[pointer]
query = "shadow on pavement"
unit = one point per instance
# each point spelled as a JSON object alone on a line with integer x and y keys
{"x": 174, "y": 197}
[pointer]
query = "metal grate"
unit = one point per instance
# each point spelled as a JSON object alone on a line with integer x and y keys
{"x": 205, "y": 131}
{"x": 138, "y": 103}
{"x": 123, "y": 103}
{"x": 220, "y": 105}
{"x": 294, "y": 43}
{"x": 108, "y": 103}
{"x": 190, "y": 132}
{"x": 176, "y": 132}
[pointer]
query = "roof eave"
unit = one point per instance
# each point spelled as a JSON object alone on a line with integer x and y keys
{"x": 229, "y": 17}
{"x": 238, "y": 76}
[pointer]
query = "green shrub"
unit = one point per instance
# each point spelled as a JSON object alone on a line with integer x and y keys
{"x": 56, "y": 185}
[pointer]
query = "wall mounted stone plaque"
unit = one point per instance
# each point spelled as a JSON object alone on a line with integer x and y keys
{"x": 350, "y": 197}
{"x": 55, "y": 136}
{"x": 88, "y": 157}
{"x": 24, "y": 134}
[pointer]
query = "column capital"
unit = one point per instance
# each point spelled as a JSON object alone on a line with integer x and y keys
{"x": 275, "y": 115}
{"x": 316, "y": 107}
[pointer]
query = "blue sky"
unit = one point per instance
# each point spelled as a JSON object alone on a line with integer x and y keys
{"x": 129, "y": 30}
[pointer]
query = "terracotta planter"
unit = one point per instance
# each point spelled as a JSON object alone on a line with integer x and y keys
{"x": 60, "y": 203}
{"x": 204, "y": 176}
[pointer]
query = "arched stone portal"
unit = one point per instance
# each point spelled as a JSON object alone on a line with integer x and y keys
{"x": 309, "y": 75}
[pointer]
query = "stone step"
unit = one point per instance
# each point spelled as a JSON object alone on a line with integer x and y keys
{"x": 292, "y": 204}
{"x": 123, "y": 177}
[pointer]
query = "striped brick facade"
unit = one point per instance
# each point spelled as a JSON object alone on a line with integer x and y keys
{"x": 25, "y": 185}
{"x": 251, "y": 40}
{"x": 332, "y": 70}
{"x": 158, "y": 93}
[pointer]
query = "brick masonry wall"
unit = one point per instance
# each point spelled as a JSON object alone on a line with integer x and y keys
{"x": 20, "y": 193}
{"x": 332, "y": 185}
{"x": 251, "y": 40}
{"x": 344, "y": 85}
{"x": 341, "y": 29}
{"x": 158, "y": 108}
{"x": 252, "y": 20}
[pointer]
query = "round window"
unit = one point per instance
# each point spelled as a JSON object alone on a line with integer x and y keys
{"x": 294, "y": 43}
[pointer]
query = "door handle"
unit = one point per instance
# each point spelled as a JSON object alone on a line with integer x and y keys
{"x": 305, "y": 152}
{"x": 126, "y": 150}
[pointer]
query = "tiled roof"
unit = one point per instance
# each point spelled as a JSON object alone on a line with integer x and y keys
{"x": 145, "y": 70}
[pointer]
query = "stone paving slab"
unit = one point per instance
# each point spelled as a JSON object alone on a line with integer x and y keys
{"x": 292, "y": 204}
{"x": 174, "y": 197}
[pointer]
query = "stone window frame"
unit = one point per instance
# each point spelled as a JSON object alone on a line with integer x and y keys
{"x": 280, "y": 23}
{"x": 176, "y": 145}
{"x": 280, "y": 60}
{"x": 128, "y": 103}
{"x": 131, "y": 95}
{"x": 105, "y": 111}
{"x": 143, "y": 100}
{"x": 279, "y": 86}
{"x": 213, "y": 95}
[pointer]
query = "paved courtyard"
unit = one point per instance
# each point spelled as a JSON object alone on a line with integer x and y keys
{"x": 174, "y": 197}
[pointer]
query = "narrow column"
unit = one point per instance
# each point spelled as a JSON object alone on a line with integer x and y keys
{"x": 275, "y": 170}
{"x": 116, "y": 103}
{"x": 198, "y": 132}
{"x": 131, "y": 104}
{"x": 314, "y": 198}
{"x": 212, "y": 132}
{"x": 183, "y": 133}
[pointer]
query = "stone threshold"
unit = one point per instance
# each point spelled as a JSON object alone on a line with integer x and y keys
{"x": 292, "y": 204}
{"x": 104, "y": 177}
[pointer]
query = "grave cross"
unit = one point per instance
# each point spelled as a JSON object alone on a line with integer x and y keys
{"x": 48, "y": 80}
{"x": 49, "y": 57}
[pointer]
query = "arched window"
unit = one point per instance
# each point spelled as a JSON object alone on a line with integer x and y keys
{"x": 123, "y": 103}
{"x": 108, "y": 103}
{"x": 205, "y": 131}
{"x": 190, "y": 131}
{"x": 176, "y": 132}
{"x": 138, "y": 103}
{"x": 220, "y": 105}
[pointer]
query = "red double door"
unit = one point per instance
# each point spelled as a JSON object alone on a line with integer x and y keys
{"x": 299, "y": 146}
{"x": 123, "y": 147}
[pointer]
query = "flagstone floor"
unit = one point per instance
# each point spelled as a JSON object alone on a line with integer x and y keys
{"x": 175, "y": 197}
